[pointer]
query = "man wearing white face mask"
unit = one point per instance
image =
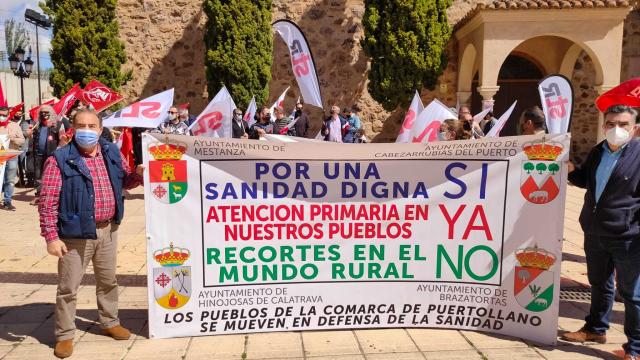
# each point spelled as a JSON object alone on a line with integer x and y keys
{"x": 610, "y": 220}
{"x": 81, "y": 206}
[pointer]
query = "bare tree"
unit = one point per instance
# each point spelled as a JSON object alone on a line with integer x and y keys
{"x": 16, "y": 35}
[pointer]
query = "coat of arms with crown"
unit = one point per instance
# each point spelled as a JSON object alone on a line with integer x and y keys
{"x": 167, "y": 172}
{"x": 533, "y": 282}
{"x": 540, "y": 173}
{"x": 172, "y": 281}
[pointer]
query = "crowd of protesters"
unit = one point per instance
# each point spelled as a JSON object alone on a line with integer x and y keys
{"x": 38, "y": 138}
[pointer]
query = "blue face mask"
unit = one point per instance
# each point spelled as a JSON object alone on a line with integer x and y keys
{"x": 86, "y": 138}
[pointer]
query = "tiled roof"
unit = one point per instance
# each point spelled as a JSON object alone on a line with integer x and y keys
{"x": 550, "y": 4}
{"x": 539, "y": 4}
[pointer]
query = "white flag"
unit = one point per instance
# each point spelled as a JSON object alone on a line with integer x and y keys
{"x": 556, "y": 95}
{"x": 147, "y": 113}
{"x": 427, "y": 125}
{"x": 478, "y": 117}
{"x": 250, "y": 114}
{"x": 301, "y": 61}
{"x": 278, "y": 103}
{"x": 215, "y": 119}
{"x": 414, "y": 111}
{"x": 497, "y": 127}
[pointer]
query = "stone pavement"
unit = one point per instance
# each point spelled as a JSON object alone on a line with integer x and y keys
{"x": 27, "y": 291}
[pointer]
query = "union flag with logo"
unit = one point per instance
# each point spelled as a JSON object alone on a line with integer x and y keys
{"x": 168, "y": 172}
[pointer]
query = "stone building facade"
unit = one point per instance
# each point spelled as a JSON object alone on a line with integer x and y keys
{"x": 164, "y": 45}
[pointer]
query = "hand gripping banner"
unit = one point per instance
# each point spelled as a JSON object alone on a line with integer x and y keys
{"x": 301, "y": 61}
{"x": 291, "y": 236}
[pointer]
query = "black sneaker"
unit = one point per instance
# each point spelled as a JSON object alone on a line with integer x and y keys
{"x": 9, "y": 207}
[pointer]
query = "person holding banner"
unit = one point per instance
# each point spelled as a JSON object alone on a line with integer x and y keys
{"x": 332, "y": 127}
{"x": 281, "y": 122}
{"x": 173, "y": 125}
{"x": 469, "y": 124}
{"x": 240, "y": 127}
{"x": 453, "y": 129}
{"x": 263, "y": 125}
{"x": 532, "y": 121}
{"x": 611, "y": 226}
{"x": 80, "y": 209}
{"x": 302, "y": 125}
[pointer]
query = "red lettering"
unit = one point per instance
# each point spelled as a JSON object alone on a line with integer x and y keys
{"x": 431, "y": 129}
{"x": 451, "y": 221}
{"x": 478, "y": 211}
{"x": 151, "y": 109}
{"x": 300, "y": 64}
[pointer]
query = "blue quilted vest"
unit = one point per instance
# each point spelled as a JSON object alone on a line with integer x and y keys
{"x": 76, "y": 212}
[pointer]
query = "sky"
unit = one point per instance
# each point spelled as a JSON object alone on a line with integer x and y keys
{"x": 15, "y": 9}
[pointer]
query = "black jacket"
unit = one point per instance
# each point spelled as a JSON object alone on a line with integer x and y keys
{"x": 302, "y": 125}
{"x": 238, "y": 131}
{"x": 616, "y": 213}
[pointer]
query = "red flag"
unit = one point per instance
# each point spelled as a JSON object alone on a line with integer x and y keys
{"x": 15, "y": 109}
{"x": 127, "y": 147}
{"x": 99, "y": 96}
{"x": 627, "y": 93}
{"x": 34, "y": 111}
{"x": 3, "y": 100}
{"x": 67, "y": 100}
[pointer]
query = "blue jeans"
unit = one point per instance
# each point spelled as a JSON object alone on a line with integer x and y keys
{"x": 10, "y": 171}
{"x": 603, "y": 256}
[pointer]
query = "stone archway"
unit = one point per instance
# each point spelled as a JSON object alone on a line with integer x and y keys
{"x": 518, "y": 79}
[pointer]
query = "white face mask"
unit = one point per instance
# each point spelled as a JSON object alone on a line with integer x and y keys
{"x": 442, "y": 136}
{"x": 618, "y": 136}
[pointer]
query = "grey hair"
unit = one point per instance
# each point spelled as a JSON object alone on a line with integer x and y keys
{"x": 87, "y": 111}
{"x": 621, "y": 109}
{"x": 183, "y": 111}
{"x": 53, "y": 115}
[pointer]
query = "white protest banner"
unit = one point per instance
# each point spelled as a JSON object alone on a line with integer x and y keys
{"x": 301, "y": 61}
{"x": 495, "y": 130}
{"x": 249, "y": 115}
{"x": 147, "y": 113}
{"x": 414, "y": 111}
{"x": 277, "y": 236}
{"x": 556, "y": 96}
{"x": 279, "y": 103}
{"x": 215, "y": 119}
{"x": 427, "y": 125}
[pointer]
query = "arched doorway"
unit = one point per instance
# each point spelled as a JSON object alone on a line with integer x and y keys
{"x": 518, "y": 80}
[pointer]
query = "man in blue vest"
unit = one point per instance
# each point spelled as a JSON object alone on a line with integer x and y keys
{"x": 81, "y": 205}
{"x": 611, "y": 224}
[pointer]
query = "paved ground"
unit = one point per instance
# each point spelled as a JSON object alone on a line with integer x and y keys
{"x": 27, "y": 291}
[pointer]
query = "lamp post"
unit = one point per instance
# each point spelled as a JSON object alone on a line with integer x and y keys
{"x": 39, "y": 20}
{"x": 21, "y": 68}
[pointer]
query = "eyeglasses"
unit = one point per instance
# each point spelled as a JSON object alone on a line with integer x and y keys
{"x": 172, "y": 112}
{"x": 238, "y": 114}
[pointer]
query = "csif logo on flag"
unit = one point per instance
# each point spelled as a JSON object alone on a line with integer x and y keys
{"x": 168, "y": 172}
{"x": 172, "y": 281}
{"x": 540, "y": 174}
{"x": 533, "y": 282}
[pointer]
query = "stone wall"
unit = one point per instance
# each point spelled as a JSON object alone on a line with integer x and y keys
{"x": 631, "y": 46}
{"x": 164, "y": 45}
{"x": 584, "y": 123}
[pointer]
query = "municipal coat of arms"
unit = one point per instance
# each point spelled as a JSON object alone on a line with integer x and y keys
{"x": 172, "y": 281}
{"x": 167, "y": 172}
{"x": 540, "y": 173}
{"x": 533, "y": 282}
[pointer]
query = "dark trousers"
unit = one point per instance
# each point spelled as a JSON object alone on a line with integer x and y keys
{"x": 604, "y": 255}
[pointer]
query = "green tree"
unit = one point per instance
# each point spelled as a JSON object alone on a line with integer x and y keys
{"x": 85, "y": 44}
{"x": 528, "y": 167}
{"x": 406, "y": 41}
{"x": 239, "y": 47}
{"x": 15, "y": 36}
{"x": 554, "y": 168}
{"x": 541, "y": 167}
